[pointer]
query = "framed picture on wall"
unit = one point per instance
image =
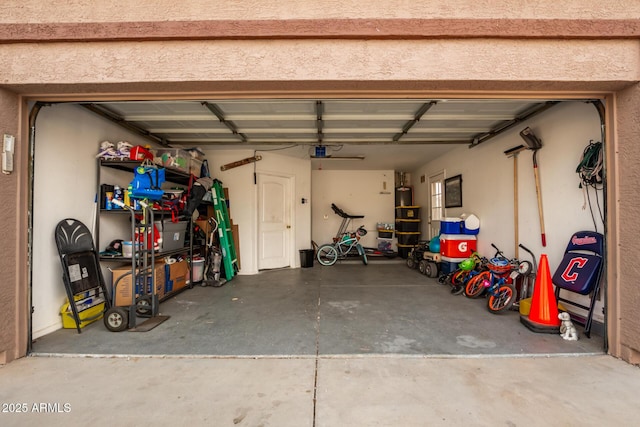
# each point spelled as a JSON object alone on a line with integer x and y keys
{"x": 453, "y": 192}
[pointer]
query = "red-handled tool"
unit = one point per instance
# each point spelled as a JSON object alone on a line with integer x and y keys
{"x": 535, "y": 144}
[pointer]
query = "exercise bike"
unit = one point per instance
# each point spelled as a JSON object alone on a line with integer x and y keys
{"x": 344, "y": 243}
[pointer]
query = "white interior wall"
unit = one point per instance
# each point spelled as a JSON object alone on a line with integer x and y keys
{"x": 67, "y": 141}
{"x": 488, "y": 181}
{"x": 243, "y": 198}
{"x": 366, "y": 192}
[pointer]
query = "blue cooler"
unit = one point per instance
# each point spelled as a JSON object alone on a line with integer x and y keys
{"x": 471, "y": 225}
{"x": 451, "y": 226}
{"x": 449, "y": 265}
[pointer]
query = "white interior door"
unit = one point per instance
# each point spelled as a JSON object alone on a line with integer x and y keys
{"x": 274, "y": 221}
{"x": 436, "y": 201}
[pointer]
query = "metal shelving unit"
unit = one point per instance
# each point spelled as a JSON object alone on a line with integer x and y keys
{"x": 147, "y": 257}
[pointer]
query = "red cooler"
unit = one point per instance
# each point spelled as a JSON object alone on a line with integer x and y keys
{"x": 457, "y": 245}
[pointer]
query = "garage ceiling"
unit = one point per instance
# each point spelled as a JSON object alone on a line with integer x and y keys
{"x": 399, "y": 134}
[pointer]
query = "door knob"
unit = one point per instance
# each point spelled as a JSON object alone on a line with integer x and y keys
{"x": 288, "y": 226}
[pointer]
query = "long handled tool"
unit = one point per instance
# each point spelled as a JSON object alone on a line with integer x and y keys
{"x": 513, "y": 152}
{"x": 535, "y": 144}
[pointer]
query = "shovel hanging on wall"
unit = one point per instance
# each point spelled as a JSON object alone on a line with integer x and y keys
{"x": 535, "y": 144}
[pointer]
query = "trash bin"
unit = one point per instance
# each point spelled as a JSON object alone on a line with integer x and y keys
{"x": 306, "y": 258}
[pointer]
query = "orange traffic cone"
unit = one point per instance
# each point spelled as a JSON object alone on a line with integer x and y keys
{"x": 543, "y": 316}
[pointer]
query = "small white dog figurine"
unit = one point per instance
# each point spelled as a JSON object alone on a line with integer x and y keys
{"x": 567, "y": 330}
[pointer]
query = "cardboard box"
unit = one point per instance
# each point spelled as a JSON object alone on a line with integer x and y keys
{"x": 122, "y": 292}
{"x": 236, "y": 241}
{"x": 176, "y": 275}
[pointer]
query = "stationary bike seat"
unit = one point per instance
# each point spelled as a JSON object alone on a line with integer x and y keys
{"x": 342, "y": 213}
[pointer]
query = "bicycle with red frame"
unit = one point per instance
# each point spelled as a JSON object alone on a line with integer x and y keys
{"x": 498, "y": 282}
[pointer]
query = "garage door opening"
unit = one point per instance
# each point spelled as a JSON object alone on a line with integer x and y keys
{"x": 350, "y": 152}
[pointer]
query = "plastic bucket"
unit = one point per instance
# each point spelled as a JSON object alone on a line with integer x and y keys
{"x": 198, "y": 269}
{"x": 127, "y": 248}
{"x": 306, "y": 258}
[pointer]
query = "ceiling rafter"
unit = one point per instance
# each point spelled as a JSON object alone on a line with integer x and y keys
{"x": 319, "y": 121}
{"x": 228, "y": 123}
{"x": 407, "y": 126}
{"x": 114, "y": 117}
{"x": 504, "y": 126}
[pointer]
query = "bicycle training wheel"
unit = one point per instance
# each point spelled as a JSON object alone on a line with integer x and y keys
{"x": 475, "y": 287}
{"x": 327, "y": 255}
{"x": 458, "y": 281}
{"x": 502, "y": 300}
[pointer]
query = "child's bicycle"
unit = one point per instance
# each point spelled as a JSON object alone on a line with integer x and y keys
{"x": 467, "y": 270}
{"x": 329, "y": 253}
{"x": 498, "y": 282}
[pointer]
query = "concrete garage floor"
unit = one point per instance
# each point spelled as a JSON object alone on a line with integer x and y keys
{"x": 347, "y": 309}
{"x": 339, "y": 346}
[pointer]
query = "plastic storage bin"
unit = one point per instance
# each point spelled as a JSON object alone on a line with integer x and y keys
{"x": 195, "y": 167}
{"x": 408, "y": 212}
{"x": 385, "y": 234}
{"x": 404, "y": 250}
{"x": 408, "y": 238}
{"x": 198, "y": 270}
{"x": 384, "y": 244}
{"x": 175, "y": 159}
{"x": 457, "y": 245}
{"x": 407, "y": 225}
{"x": 171, "y": 234}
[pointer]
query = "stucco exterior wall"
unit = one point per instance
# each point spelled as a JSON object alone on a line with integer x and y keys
{"x": 9, "y": 194}
{"x": 421, "y": 61}
{"x": 628, "y": 129}
{"x": 160, "y": 10}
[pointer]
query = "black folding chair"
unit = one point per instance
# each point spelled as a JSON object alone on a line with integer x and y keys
{"x": 580, "y": 272}
{"x": 81, "y": 273}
